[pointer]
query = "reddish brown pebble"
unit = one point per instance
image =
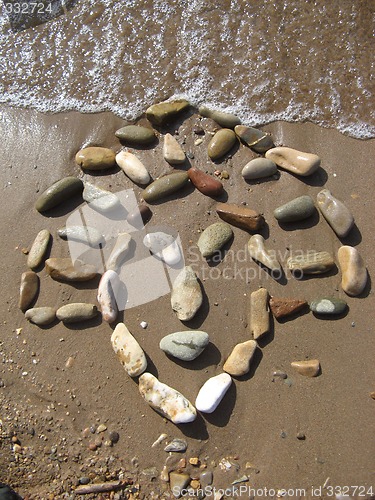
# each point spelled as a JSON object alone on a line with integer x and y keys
{"x": 285, "y": 307}
{"x": 92, "y": 447}
{"x": 240, "y": 216}
{"x": 205, "y": 183}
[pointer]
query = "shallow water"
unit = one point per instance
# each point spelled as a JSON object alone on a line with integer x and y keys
{"x": 285, "y": 60}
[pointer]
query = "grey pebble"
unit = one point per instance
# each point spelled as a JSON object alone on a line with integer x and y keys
{"x": 84, "y": 480}
{"x": 295, "y": 210}
{"x": 178, "y": 445}
{"x": 186, "y": 345}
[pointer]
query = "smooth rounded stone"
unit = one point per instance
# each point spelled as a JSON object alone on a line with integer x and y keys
{"x": 298, "y": 209}
{"x": 139, "y": 216}
{"x": 353, "y": 270}
{"x": 227, "y": 120}
{"x": 107, "y": 291}
{"x": 214, "y": 237}
{"x": 185, "y": 345}
{"x": 335, "y": 212}
{"x": 136, "y": 135}
{"x": 258, "y": 168}
{"x": 186, "y": 296}
{"x": 28, "y": 289}
{"x": 41, "y": 315}
{"x": 172, "y": 151}
{"x": 177, "y": 445}
{"x": 328, "y": 306}
{"x": 178, "y": 482}
{"x": 259, "y": 253}
{"x": 256, "y": 139}
{"x": 82, "y": 234}
{"x": 239, "y": 360}
{"x": 165, "y": 186}
{"x": 164, "y": 246}
{"x": 259, "y": 317}
{"x": 163, "y": 112}
{"x": 119, "y": 252}
{"x": 205, "y": 183}
{"x": 311, "y": 263}
{"x": 294, "y": 161}
{"x": 166, "y": 400}
{"x": 206, "y": 478}
{"x": 308, "y": 368}
{"x": 281, "y": 308}
{"x": 63, "y": 269}
{"x": 96, "y": 158}
{"x": 59, "y": 192}
{"x": 212, "y": 392}
{"x": 38, "y": 249}
{"x": 133, "y": 167}
{"x": 79, "y": 311}
{"x": 100, "y": 199}
{"x": 221, "y": 143}
{"x": 128, "y": 351}
{"x": 240, "y": 216}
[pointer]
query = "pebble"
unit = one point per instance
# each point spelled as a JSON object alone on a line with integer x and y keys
{"x": 212, "y": 392}
{"x": 82, "y": 234}
{"x": 177, "y": 445}
{"x": 41, "y": 316}
{"x": 29, "y": 288}
{"x": 107, "y": 292}
{"x": 62, "y": 269}
{"x": 164, "y": 246}
{"x": 329, "y": 306}
{"x": 206, "y": 184}
{"x": 178, "y": 482}
{"x": 301, "y": 436}
{"x": 59, "y": 192}
{"x": 335, "y": 212}
{"x": 172, "y": 151}
{"x": 128, "y": 351}
{"x": 133, "y": 167}
{"x": 214, "y": 237}
{"x": 139, "y": 216}
{"x": 163, "y": 112}
{"x": 136, "y": 135}
{"x": 96, "y": 158}
{"x": 294, "y": 161}
{"x": 119, "y": 252}
{"x": 279, "y": 373}
{"x": 79, "y": 311}
{"x": 285, "y": 307}
{"x": 239, "y": 360}
{"x": 165, "y": 186}
{"x": 298, "y": 209}
{"x": 101, "y": 428}
{"x": 38, "y": 249}
{"x": 256, "y": 139}
{"x": 186, "y": 297}
{"x": 186, "y": 345}
{"x": 84, "y": 480}
{"x": 223, "y": 119}
{"x": 166, "y": 400}
{"x": 221, "y": 143}
{"x": 99, "y": 199}
{"x": 240, "y": 216}
{"x": 259, "y": 318}
{"x": 258, "y": 168}
{"x": 308, "y": 368}
{"x": 353, "y": 270}
{"x": 206, "y": 478}
{"x": 114, "y": 436}
{"x": 310, "y": 263}
{"x": 259, "y": 253}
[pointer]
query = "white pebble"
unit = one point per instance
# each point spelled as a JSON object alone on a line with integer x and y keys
{"x": 212, "y": 392}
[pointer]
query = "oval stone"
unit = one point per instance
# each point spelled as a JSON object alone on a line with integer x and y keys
{"x": 28, "y": 289}
{"x": 38, "y": 249}
{"x": 311, "y": 263}
{"x": 63, "y": 269}
{"x": 205, "y": 183}
{"x": 221, "y": 143}
{"x": 227, "y": 120}
{"x": 186, "y": 296}
{"x": 165, "y": 186}
{"x": 59, "y": 192}
{"x": 163, "y": 112}
{"x": 212, "y": 392}
{"x": 256, "y": 139}
{"x": 258, "y": 168}
{"x": 96, "y": 158}
{"x": 294, "y": 161}
{"x": 82, "y": 234}
{"x": 185, "y": 345}
{"x": 329, "y": 306}
{"x": 240, "y": 216}
{"x": 79, "y": 311}
{"x": 172, "y": 151}
{"x": 128, "y": 351}
{"x": 335, "y": 212}
{"x": 136, "y": 135}
{"x": 214, "y": 237}
{"x": 99, "y": 199}
{"x": 353, "y": 270}
{"x": 298, "y": 209}
{"x": 133, "y": 167}
{"x": 41, "y": 316}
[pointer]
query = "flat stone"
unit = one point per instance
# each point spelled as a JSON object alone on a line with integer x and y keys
{"x": 214, "y": 237}
{"x": 328, "y": 306}
{"x": 206, "y": 478}
{"x": 99, "y": 199}
{"x": 259, "y": 253}
{"x": 136, "y": 135}
{"x": 139, "y": 216}
{"x": 239, "y": 360}
{"x": 165, "y": 186}
{"x": 258, "y": 168}
{"x": 96, "y": 158}
{"x": 28, "y": 289}
{"x": 256, "y": 139}
{"x": 285, "y": 307}
{"x": 335, "y": 212}
{"x": 166, "y": 400}
{"x": 128, "y": 351}
{"x": 164, "y": 246}
{"x": 259, "y": 317}
{"x": 119, "y": 252}
{"x": 310, "y": 262}
{"x": 133, "y": 167}
{"x": 38, "y": 249}
{"x": 240, "y": 216}
{"x": 298, "y": 209}
{"x": 41, "y": 315}
{"x": 82, "y": 234}
{"x": 294, "y": 161}
{"x": 62, "y": 269}
{"x": 172, "y": 151}
{"x": 176, "y": 445}
{"x": 164, "y": 112}
{"x": 186, "y": 297}
{"x": 185, "y": 345}
{"x": 205, "y": 183}
{"x": 212, "y": 392}
{"x": 178, "y": 482}
{"x": 108, "y": 290}
{"x": 308, "y": 368}
{"x": 75, "y": 312}
{"x": 59, "y": 192}
{"x": 227, "y": 120}
{"x": 221, "y": 143}
{"x": 353, "y": 270}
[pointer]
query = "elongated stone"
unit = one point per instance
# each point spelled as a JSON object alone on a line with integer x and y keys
{"x": 139, "y": 216}
{"x": 221, "y": 143}
{"x": 259, "y": 318}
{"x": 294, "y": 161}
{"x": 353, "y": 270}
{"x": 298, "y": 209}
{"x": 186, "y": 297}
{"x": 165, "y": 186}
{"x": 99, "y": 199}
{"x": 136, "y": 135}
{"x": 335, "y": 212}
{"x": 212, "y": 392}
{"x": 133, "y": 167}
{"x": 120, "y": 252}
{"x": 240, "y": 216}
{"x": 164, "y": 246}
{"x": 214, "y": 237}
{"x": 166, "y": 400}
{"x": 82, "y": 234}
{"x": 256, "y": 139}
{"x": 227, "y": 120}
{"x": 205, "y": 183}
{"x": 308, "y": 368}
{"x": 164, "y": 112}
{"x": 79, "y": 311}
{"x": 28, "y": 289}
{"x": 59, "y": 192}
{"x": 96, "y": 158}
{"x": 310, "y": 262}
{"x": 239, "y": 360}
{"x": 172, "y": 151}
{"x": 185, "y": 345}
{"x": 38, "y": 249}
{"x": 128, "y": 351}
{"x": 285, "y": 307}
{"x": 63, "y": 269}
{"x": 108, "y": 290}
{"x": 259, "y": 253}
{"x": 258, "y": 168}
{"x": 41, "y": 316}
{"x": 328, "y": 306}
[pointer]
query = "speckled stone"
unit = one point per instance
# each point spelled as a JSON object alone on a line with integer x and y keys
{"x": 294, "y": 161}
{"x": 164, "y": 112}
{"x": 95, "y": 158}
{"x": 214, "y": 237}
{"x": 221, "y": 143}
{"x": 335, "y": 212}
{"x": 328, "y": 306}
{"x": 353, "y": 270}
{"x": 311, "y": 262}
{"x": 186, "y": 296}
{"x": 75, "y": 312}
{"x": 128, "y": 351}
{"x": 165, "y": 186}
{"x": 136, "y": 135}
{"x": 308, "y": 368}
{"x": 186, "y": 345}
{"x": 59, "y": 192}
{"x": 258, "y": 168}
{"x": 298, "y": 209}
{"x": 28, "y": 289}
{"x": 38, "y": 249}
{"x": 227, "y": 120}
{"x": 41, "y": 316}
